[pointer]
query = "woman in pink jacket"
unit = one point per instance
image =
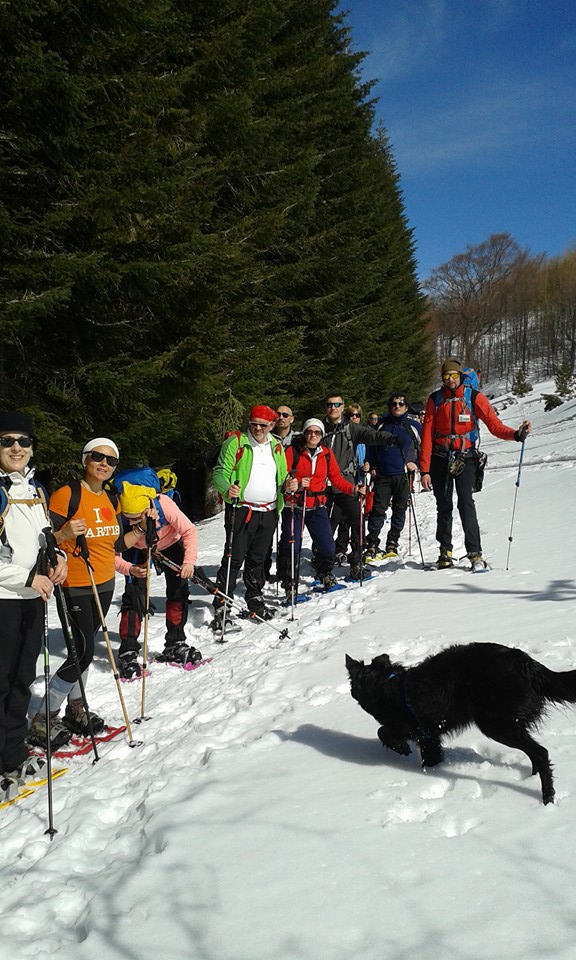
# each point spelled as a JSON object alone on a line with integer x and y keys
{"x": 177, "y": 540}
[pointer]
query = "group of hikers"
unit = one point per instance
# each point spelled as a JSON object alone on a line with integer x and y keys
{"x": 98, "y": 525}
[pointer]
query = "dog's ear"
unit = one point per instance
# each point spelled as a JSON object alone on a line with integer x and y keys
{"x": 382, "y": 662}
{"x": 352, "y": 664}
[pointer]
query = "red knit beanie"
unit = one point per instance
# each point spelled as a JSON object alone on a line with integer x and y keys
{"x": 263, "y": 412}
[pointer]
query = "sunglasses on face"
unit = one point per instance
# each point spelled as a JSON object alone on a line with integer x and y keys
{"x": 398, "y": 403}
{"x": 10, "y": 441}
{"x": 338, "y": 403}
{"x": 373, "y": 419}
{"x": 356, "y": 416}
{"x": 259, "y": 426}
{"x": 314, "y": 433}
{"x": 451, "y": 374}
{"x": 99, "y": 457}
{"x": 283, "y": 413}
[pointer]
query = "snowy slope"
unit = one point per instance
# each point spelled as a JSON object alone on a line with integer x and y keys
{"x": 262, "y": 820}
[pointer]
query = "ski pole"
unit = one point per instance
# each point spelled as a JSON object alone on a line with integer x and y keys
{"x": 292, "y": 560}
{"x": 43, "y": 569}
{"x": 200, "y": 578}
{"x": 361, "y": 539}
{"x": 69, "y": 639}
{"x": 151, "y": 540}
{"x": 412, "y": 505}
{"x": 229, "y": 545}
{"x": 83, "y": 552}
{"x": 410, "y": 516}
{"x": 515, "y": 497}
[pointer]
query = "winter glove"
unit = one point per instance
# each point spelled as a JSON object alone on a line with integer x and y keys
{"x": 521, "y": 434}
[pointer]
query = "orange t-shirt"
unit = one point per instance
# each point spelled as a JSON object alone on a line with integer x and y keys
{"x": 102, "y": 533}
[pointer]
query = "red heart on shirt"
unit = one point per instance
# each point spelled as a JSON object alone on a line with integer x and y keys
{"x": 107, "y": 513}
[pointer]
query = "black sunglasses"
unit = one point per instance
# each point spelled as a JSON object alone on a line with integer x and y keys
{"x": 338, "y": 403}
{"x": 397, "y": 403}
{"x": 10, "y": 441}
{"x": 283, "y": 413}
{"x": 99, "y": 457}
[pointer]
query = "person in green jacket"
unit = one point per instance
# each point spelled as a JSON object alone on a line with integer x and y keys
{"x": 250, "y": 476}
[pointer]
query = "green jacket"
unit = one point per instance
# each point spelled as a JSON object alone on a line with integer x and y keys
{"x": 235, "y": 467}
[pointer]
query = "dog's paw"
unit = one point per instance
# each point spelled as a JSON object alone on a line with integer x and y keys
{"x": 431, "y": 754}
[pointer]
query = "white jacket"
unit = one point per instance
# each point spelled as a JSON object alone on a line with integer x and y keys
{"x": 23, "y": 525}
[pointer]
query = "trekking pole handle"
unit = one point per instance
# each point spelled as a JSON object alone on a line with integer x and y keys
{"x": 151, "y": 537}
{"x": 82, "y": 548}
{"x": 51, "y": 547}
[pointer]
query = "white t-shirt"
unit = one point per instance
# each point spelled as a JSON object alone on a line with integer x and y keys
{"x": 261, "y": 490}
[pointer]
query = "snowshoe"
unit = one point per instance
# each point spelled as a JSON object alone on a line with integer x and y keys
{"x": 179, "y": 652}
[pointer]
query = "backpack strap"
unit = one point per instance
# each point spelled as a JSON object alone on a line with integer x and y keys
{"x": 76, "y": 493}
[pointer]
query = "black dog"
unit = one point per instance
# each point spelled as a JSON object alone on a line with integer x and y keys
{"x": 500, "y": 689}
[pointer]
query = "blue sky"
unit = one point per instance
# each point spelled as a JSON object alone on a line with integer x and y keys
{"x": 479, "y": 100}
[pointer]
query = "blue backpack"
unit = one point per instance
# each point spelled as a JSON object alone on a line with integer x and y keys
{"x": 142, "y": 477}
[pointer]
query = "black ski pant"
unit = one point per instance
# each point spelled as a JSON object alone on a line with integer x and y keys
{"x": 84, "y": 620}
{"x": 133, "y": 608}
{"x": 388, "y": 489}
{"x": 251, "y": 533}
{"x": 342, "y": 506}
{"x": 22, "y": 634}
{"x": 443, "y": 484}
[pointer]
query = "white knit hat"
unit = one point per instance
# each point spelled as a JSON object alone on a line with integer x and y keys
{"x": 99, "y": 442}
{"x": 313, "y": 422}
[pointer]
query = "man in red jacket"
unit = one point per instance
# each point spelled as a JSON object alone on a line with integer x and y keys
{"x": 449, "y": 457}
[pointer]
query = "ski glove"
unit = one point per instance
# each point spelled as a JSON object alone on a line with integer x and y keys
{"x": 521, "y": 434}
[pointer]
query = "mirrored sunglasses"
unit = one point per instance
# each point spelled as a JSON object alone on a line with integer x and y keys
{"x": 338, "y": 403}
{"x": 449, "y": 374}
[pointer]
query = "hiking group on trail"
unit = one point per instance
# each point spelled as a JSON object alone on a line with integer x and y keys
{"x": 323, "y": 479}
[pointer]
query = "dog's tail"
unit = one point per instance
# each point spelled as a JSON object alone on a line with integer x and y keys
{"x": 559, "y": 687}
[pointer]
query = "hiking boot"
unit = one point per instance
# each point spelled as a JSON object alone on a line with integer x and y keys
{"x": 180, "y": 652}
{"x": 445, "y": 558}
{"x": 355, "y": 572}
{"x": 477, "y": 562}
{"x": 391, "y": 550}
{"x": 340, "y": 558}
{"x": 259, "y": 610}
{"x": 76, "y": 719}
{"x": 128, "y": 666}
{"x": 328, "y": 581}
{"x": 371, "y": 552}
{"x": 59, "y": 733}
{"x": 216, "y": 623}
{"x": 288, "y": 588}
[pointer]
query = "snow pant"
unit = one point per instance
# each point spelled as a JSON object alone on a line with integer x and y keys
{"x": 341, "y": 506}
{"x": 443, "y": 484}
{"x": 22, "y": 635}
{"x": 393, "y": 489}
{"x": 318, "y": 526}
{"x": 133, "y": 608}
{"x": 252, "y": 535}
{"x": 84, "y": 620}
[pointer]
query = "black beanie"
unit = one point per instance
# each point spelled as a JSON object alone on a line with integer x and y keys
{"x": 16, "y": 422}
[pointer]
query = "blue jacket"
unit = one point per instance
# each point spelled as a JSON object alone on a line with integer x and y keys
{"x": 388, "y": 460}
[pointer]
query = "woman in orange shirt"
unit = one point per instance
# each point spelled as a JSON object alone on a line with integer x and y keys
{"x": 96, "y": 518}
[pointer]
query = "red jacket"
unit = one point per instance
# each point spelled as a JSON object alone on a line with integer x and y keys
{"x": 444, "y": 428}
{"x": 321, "y": 467}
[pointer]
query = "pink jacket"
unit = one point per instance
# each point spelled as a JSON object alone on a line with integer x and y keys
{"x": 177, "y": 527}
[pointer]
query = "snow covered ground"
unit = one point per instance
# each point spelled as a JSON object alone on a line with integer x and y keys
{"x": 262, "y": 820}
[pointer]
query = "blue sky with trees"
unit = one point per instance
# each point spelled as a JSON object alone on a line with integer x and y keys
{"x": 479, "y": 100}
